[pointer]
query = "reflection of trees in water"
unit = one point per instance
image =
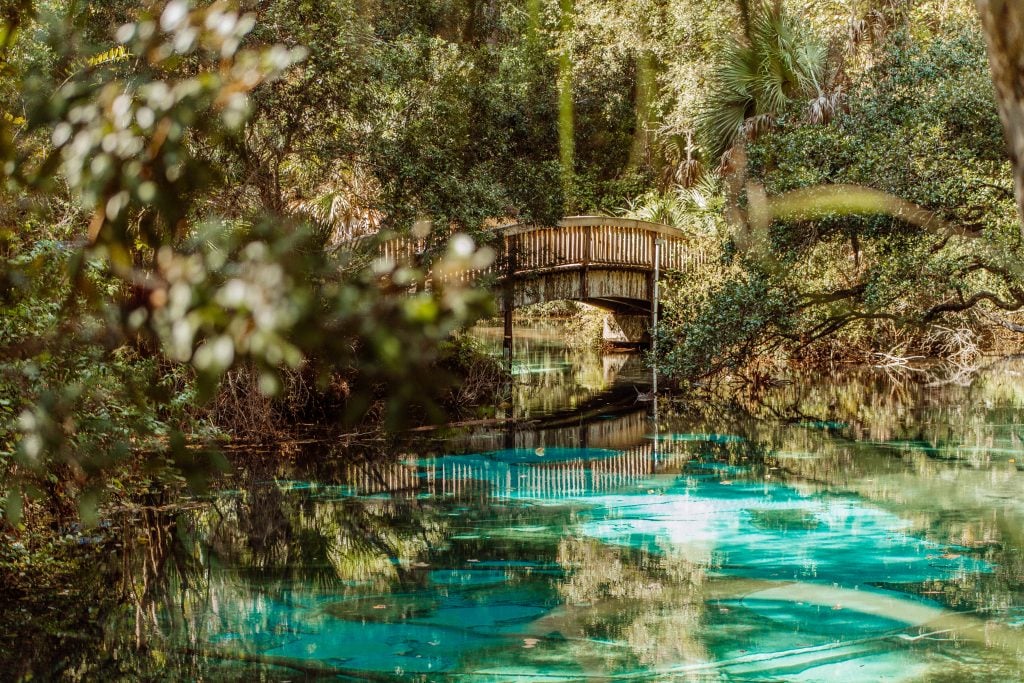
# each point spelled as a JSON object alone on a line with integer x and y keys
{"x": 926, "y": 454}
{"x": 219, "y": 569}
{"x": 159, "y": 578}
{"x": 872, "y": 406}
{"x": 233, "y": 563}
{"x": 651, "y": 602}
{"x": 943, "y": 458}
{"x": 323, "y": 532}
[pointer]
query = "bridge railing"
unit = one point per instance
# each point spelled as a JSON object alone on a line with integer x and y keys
{"x": 578, "y": 241}
{"x": 598, "y": 241}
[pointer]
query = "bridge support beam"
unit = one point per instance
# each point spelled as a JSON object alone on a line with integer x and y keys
{"x": 509, "y": 299}
{"x": 626, "y": 329}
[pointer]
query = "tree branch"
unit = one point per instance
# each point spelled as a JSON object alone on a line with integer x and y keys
{"x": 965, "y": 304}
{"x": 1013, "y": 327}
{"x": 831, "y": 297}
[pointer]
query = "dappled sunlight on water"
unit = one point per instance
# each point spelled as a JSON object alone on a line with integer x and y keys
{"x": 805, "y": 537}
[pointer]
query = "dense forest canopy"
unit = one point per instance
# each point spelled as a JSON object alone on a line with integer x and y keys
{"x": 186, "y": 189}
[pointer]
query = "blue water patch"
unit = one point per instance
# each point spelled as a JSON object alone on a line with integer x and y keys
{"x": 260, "y": 640}
{"x": 422, "y": 632}
{"x": 518, "y": 564}
{"x": 467, "y": 577}
{"x": 829, "y": 620}
{"x": 827, "y": 425}
{"x": 556, "y": 532}
{"x": 703, "y": 466}
{"x": 383, "y": 647}
{"x": 837, "y": 540}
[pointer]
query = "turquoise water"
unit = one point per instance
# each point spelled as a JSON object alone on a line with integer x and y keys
{"x": 847, "y": 530}
{"x": 584, "y": 564}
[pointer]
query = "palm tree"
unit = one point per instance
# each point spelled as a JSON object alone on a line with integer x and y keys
{"x": 774, "y": 63}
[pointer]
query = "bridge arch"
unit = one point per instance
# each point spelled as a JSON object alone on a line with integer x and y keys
{"x": 603, "y": 261}
{"x": 599, "y": 260}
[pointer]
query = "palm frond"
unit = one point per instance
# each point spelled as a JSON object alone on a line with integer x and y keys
{"x": 682, "y": 158}
{"x": 824, "y": 107}
{"x": 757, "y": 80}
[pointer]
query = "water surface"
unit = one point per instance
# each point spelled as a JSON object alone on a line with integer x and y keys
{"x": 853, "y": 530}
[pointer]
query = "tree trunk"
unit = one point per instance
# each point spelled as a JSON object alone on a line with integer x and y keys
{"x": 1003, "y": 23}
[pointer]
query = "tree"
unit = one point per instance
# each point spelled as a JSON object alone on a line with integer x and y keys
{"x": 774, "y": 63}
{"x": 156, "y": 287}
{"x": 1003, "y": 23}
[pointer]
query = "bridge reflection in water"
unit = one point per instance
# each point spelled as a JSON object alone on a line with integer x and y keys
{"x": 549, "y": 378}
{"x": 606, "y": 454}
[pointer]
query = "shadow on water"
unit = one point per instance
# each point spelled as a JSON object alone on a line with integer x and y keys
{"x": 850, "y": 529}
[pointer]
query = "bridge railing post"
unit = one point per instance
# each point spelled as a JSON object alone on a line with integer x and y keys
{"x": 658, "y": 242}
{"x": 588, "y": 237}
{"x": 509, "y": 295}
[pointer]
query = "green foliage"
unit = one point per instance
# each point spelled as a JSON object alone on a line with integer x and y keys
{"x": 923, "y": 126}
{"x": 106, "y": 340}
{"x": 727, "y": 320}
{"x": 920, "y": 125}
{"x": 696, "y": 210}
{"x": 758, "y": 78}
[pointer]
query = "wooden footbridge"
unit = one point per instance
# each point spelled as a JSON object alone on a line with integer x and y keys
{"x": 613, "y": 263}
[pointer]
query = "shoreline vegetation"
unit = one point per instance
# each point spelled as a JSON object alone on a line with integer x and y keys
{"x": 191, "y": 195}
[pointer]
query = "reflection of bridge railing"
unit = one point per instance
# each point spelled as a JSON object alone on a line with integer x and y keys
{"x": 566, "y": 477}
{"x": 494, "y": 478}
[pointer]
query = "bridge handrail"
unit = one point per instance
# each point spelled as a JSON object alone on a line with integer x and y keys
{"x": 583, "y": 242}
{"x": 596, "y": 222}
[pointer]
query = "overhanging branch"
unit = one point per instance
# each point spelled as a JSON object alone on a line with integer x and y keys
{"x": 965, "y": 304}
